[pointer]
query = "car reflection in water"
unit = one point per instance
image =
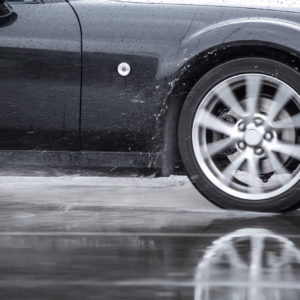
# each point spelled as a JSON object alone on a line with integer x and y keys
{"x": 249, "y": 264}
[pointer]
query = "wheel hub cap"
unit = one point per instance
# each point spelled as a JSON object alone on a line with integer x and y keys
{"x": 252, "y": 137}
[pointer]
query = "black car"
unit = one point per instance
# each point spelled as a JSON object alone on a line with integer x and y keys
{"x": 210, "y": 88}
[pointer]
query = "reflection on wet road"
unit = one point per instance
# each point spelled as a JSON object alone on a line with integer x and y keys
{"x": 249, "y": 263}
{"x": 51, "y": 251}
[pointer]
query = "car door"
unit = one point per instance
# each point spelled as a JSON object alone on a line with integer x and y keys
{"x": 40, "y": 75}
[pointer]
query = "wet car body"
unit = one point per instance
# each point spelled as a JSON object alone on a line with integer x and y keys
{"x": 64, "y": 103}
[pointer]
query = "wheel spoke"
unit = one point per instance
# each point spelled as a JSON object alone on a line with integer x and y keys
{"x": 283, "y": 95}
{"x": 229, "y": 171}
{"x": 279, "y": 169}
{"x": 289, "y": 123}
{"x": 291, "y": 150}
{"x": 218, "y": 146}
{"x": 253, "y": 85}
{"x": 254, "y": 180}
{"x": 209, "y": 121}
{"x": 225, "y": 93}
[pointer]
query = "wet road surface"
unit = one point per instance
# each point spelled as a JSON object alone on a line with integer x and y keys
{"x": 69, "y": 238}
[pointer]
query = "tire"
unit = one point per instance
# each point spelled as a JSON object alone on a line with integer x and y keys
{"x": 239, "y": 136}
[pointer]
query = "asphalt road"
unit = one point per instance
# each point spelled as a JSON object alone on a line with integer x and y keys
{"x": 139, "y": 238}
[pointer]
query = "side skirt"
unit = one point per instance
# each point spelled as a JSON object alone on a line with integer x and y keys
{"x": 111, "y": 161}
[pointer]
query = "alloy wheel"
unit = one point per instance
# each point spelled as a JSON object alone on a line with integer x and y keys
{"x": 245, "y": 136}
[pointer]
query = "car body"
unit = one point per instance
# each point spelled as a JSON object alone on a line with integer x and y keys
{"x": 64, "y": 102}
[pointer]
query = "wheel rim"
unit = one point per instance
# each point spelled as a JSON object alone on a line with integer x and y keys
{"x": 246, "y": 135}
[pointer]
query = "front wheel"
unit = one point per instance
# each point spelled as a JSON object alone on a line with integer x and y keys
{"x": 239, "y": 135}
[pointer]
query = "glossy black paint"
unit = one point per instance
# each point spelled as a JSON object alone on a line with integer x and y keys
{"x": 40, "y": 61}
{"x": 121, "y": 114}
{"x": 69, "y": 95}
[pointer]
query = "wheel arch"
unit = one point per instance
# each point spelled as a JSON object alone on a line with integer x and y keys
{"x": 192, "y": 72}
